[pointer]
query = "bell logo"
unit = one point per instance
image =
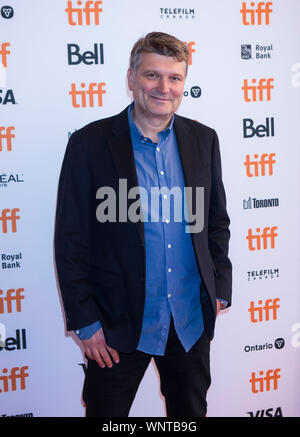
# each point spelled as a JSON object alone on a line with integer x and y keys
{"x": 253, "y": 12}
{"x": 255, "y": 240}
{"x": 9, "y": 380}
{"x": 259, "y": 165}
{"x": 6, "y": 133}
{"x": 9, "y": 215}
{"x": 3, "y": 53}
{"x": 12, "y": 295}
{"x": 263, "y": 89}
{"x": 262, "y": 312}
{"x": 263, "y": 383}
{"x": 94, "y": 89}
{"x": 76, "y": 15}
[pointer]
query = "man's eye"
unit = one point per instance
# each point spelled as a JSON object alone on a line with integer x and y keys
{"x": 151, "y": 75}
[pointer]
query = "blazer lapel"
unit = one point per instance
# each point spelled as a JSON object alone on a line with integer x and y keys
{"x": 187, "y": 150}
{"x": 122, "y": 152}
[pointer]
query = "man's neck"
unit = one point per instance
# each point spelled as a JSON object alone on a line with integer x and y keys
{"x": 150, "y": 127}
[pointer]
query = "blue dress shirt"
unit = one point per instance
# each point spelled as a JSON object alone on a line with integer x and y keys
{"x": 172, "y": 275}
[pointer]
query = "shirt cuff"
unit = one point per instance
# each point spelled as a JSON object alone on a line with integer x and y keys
{"x": 88, "y": 331}
{"x": 224, "y": 303}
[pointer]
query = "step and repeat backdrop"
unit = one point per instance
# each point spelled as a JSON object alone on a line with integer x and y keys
{"x": 62, "y": 65}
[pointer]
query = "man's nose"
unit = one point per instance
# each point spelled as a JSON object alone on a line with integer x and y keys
{"x": 163, "y": 85}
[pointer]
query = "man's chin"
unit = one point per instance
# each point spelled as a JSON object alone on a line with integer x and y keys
{"x": 161, "y": 110}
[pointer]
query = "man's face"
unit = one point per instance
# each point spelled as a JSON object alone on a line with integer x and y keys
{"x": 157, "y": 85}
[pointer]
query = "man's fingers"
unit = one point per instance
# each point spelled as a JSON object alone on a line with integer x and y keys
{"x": 114, "y": 354}
{"x": 97, "y": 349}
{"x": 105, "y": 356}
{"x": 97, "y": 357}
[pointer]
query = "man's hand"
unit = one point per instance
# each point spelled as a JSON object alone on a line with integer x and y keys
{"x": 97, "y": 349}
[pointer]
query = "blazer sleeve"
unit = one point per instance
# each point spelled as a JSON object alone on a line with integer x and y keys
{"x": 72, "y": 235}
{"x": 218, "y": 228}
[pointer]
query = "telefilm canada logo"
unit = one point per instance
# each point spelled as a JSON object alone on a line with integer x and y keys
{"x": 264, "y": 273}
{"x": 177, "y": 13}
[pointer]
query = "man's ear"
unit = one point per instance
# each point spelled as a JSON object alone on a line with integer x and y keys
{"x": 130, "y": 78}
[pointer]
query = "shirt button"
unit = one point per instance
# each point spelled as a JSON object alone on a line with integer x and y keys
{"x": 158, "y": 149}
{"x": 169, "y": 270}
{"x": 162, "y": 172}
{"x": 169, "y": 295}
{"x": 165, "y": 196}
{"x": 169, "y": 246}
{"x": 77, "y": 332}
{"x": 167, "y": 221}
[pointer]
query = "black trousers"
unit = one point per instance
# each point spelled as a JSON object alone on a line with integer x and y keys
{"x": 184, "y": 380}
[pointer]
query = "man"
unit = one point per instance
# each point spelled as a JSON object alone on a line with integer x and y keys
{"x": 136, "y": 289}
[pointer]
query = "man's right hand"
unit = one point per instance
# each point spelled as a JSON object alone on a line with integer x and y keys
{"x": 96, "y": 349}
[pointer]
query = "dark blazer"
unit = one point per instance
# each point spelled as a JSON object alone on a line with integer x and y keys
{"x": 101, "y": 266}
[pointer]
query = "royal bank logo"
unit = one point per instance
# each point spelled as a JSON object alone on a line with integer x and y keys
{"x": 11, "y": 261}
{"x": 246, "y": 51}
{"x": 258, "y": 275}
{"x": 177, "y": 13}
{"x": 256, "y": 51}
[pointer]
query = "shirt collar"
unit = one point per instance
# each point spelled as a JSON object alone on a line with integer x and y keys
{"x": 136, "y": 131}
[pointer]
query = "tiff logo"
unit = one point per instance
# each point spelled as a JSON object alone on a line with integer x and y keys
{"x": 263, "y": 383}
{"x": 268, "y": 234}
{"x": 266, "y": 161}
{"x": 3, "y": 53}
{"x": 76, "y": 15}
{"x": 6, "y": 133}
{"x": 256, "y": 13}
{"x": 9, "y": 380}
{"x": 264, "y": 310}
{"x": 190, "y": 49}
{"x": 9, "y": 215}
{"x": 94, "y": 89}
{"x": 263, "y": 89}
{"x": 12, "y": 295}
